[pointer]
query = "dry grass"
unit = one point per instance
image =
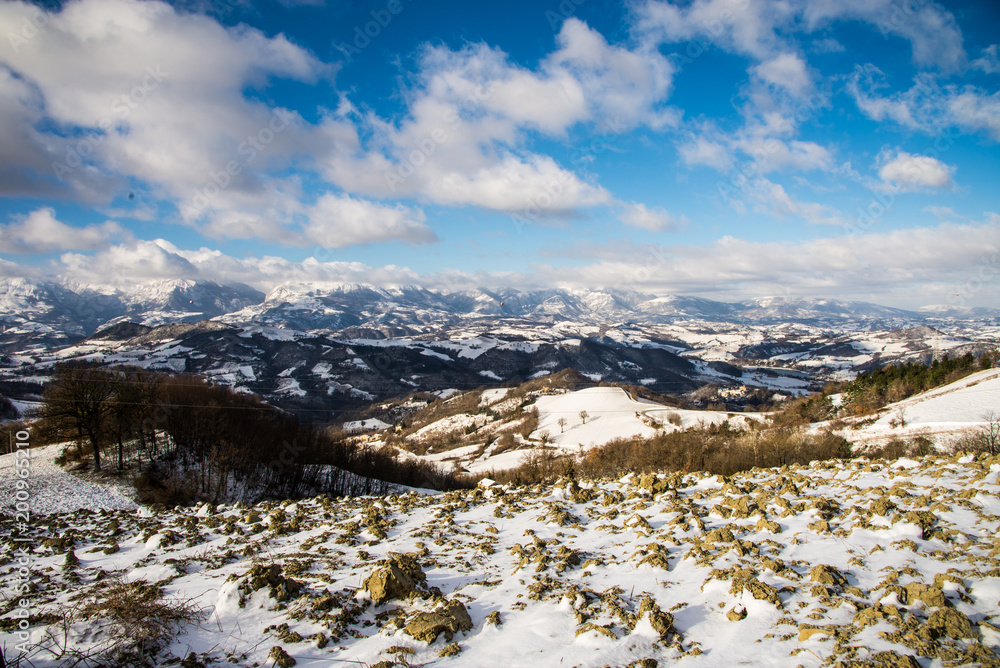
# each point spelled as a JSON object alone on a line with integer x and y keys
{"x": 136, "y": 624}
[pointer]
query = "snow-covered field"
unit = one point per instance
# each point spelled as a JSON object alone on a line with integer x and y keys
{"x": 610, "y": 414}
{"x": 782, "y": 567}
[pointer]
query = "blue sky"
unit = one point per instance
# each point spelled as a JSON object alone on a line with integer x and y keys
{"x": 723, "y": 148}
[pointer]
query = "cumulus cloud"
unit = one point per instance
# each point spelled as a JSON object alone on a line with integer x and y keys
{"x": 703, "y": 151}
{"x": 759, "y": 29}
{"x": 336, "y": 221}
{"x": 905, "y": 171}
{"x": 772, "y": 198}
{"x": 655, "y": 219}
{"x": 786, "y": 70}
{"x": 926, "y": 106}
{"x": 471, "y": 113}
{"x": 943, "y": 212}
{"x": 40, "y": 232}
{"x": 150, "y": 93}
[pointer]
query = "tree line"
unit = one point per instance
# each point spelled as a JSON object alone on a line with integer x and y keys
{"x": 888, "y": 384}
{"x": 190, "y": 440}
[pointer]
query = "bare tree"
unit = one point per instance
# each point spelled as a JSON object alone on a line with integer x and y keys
{"x": 584, "y": 415}
{"x": 562, "y": 425}
{"x": 76, "y": 404}
{"x": 991, "y": 433}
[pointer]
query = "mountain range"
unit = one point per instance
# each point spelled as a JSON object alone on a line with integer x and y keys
{"x": 324, "y": 347}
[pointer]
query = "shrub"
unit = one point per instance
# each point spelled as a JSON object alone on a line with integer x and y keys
{"x": 137, "y": 623}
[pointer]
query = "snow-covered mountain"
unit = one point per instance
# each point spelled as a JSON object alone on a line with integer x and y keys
{"x": 43, "y": 314}
{"x": 51, "y": 313}
{"x": 323, "y": 346}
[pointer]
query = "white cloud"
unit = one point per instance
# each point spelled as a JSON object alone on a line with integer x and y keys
{"x": 760, "y": 29}
{"x": 828, "y": 45}
{"x": 905, "y": 267}
{"x": 536, "y": 188}
{"x": 153, "y": 94}
{"x": 905, "y": 171}
{"x": 124, "y": 265}
{"x": 40, "y": 232}
{"x": 943, "y": 212}
{"x": 908, "y": 267}
{"x": 471, "y": 112}
{"x": 772, "y": 154}
{"x": 989, "y": 62}
{"x": 735, "y": 25}
{"x": 976, "y": 111}
{"x": 656, "y": 219}
{"x": 931, "y": 30}
{"x": 788, "y": 71}
{"x": 702, "y": 151}
{"x": 926, "y": 106}
{"x": 619, "y": 85}
{"x": 773, "y": 199}
{"x": 336, "y": 221}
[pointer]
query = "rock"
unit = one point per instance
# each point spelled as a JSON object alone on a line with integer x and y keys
{"x": 806, "y": 632}
{"x": 887, "y": 659}
{"x": 931, "y": 596}
{"x": 824, "y": 574}
{"x": 578, "y": 494}
{"x": 923, "y": 519}
{"x": 759, "y": 590}
{"x": 741, "y": 506}
{"x": 719, "y": 535}
{"x": 281, "y": 657}
{"x": 653, "y": 484}
{"x": 590, "y": 626}
{"x": 737, "y": 614}
{"x": 868, "y": 617}
{"x": 400, "y": 577}
{"x": 281, "y": 588}
{"x": 58, "y": 543}
{"x": 882, "y": 506}
{"x": 427, "y": 626}
{"x": 767, "y": 525}
{"x": 450, "y": 650}
{"x": 662, "y": 622}
{"x": 950, "y": 623}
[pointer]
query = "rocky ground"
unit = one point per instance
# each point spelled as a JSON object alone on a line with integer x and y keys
{"x": 856, "y": 563}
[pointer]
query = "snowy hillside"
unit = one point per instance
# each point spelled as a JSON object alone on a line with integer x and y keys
{"x": 890, "y": 563}
{"x": 942, "y": 414}
{"x": 609, "y": 414}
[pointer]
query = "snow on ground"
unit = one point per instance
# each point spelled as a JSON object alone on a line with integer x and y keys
{"x": 52, "y": 490}
{"x": 370, "y": 424}
{"x": 611, "y": 414}
{"x": 798, "y": 566}
{"x": 942, "y": 414}
{"x": 492, "y": 396}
